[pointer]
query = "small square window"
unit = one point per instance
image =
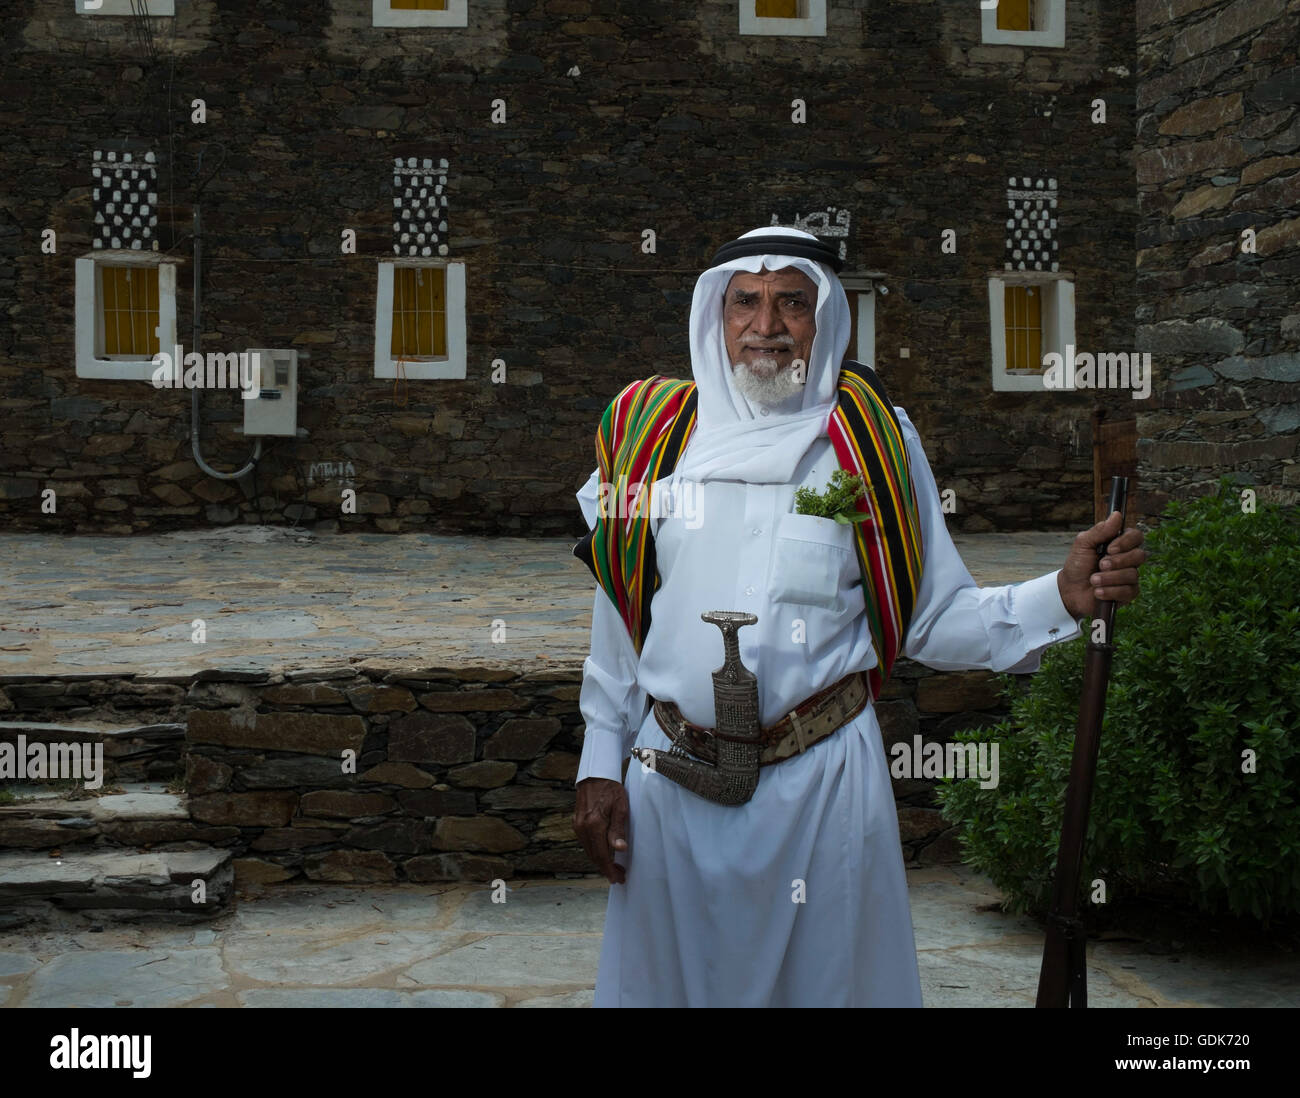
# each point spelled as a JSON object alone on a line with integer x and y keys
{"x": 420, "y": 320}
{"x": 125, "y": 314}
{"x": 1016, "y": 15}
{"x": 1023, "y": 316}
{"x": 420, "y": 13}
{"x": 1030, "y": 316}
{"x": 1023, "y": 23}
{"x": 419, "y": 313}
{"x": 783, "y": 17}
{"x": 862, "y": 324}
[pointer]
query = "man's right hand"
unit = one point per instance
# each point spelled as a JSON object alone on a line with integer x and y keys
{"x": 600, "y": 821}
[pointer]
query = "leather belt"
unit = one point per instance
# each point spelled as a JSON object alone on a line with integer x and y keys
{"x": 798, "y": 730}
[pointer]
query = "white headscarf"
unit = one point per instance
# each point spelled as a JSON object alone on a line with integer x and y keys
{"x": 733, "y": 440}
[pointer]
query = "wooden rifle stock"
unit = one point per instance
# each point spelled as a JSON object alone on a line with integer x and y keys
{"x": 1063, "y": 978}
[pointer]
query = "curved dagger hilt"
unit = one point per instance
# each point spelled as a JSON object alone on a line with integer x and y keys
{"x": 738, "y": 735}
{"x": 730, "y": 621}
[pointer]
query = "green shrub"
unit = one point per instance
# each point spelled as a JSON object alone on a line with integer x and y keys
{"x": 1206, "y": 667}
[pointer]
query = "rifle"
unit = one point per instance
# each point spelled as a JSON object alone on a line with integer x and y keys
{"x": 1063, "y": 978}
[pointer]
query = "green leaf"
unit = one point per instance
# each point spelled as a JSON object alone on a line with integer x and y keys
{"x": 1207, "y": 665}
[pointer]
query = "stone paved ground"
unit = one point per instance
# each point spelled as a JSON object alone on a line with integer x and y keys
{"x": 276, "y": 600}
{"x": 410, "y": 945}
{"x": 273, "y": 600}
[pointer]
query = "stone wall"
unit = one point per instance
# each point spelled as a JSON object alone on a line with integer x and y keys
{"x": 913, "y": 126}
{"x": 933, "y": 705}
{"x": 459, "y": 772}
{"x": 1218, "y": 99}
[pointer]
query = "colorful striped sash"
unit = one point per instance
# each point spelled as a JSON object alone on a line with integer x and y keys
{"x": 644, "y": 432}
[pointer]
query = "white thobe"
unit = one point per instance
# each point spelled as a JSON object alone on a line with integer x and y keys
{"x": 799, "y": 896}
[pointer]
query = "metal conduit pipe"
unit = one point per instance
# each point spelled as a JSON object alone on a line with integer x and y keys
{"x": 194, "y": 393}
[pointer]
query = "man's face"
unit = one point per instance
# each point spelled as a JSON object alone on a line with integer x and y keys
{"x": 768, "y": 319}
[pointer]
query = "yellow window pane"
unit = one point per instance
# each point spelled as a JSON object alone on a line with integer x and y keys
{"x": 129, "y": 298}
{"x": 1033, "y": 328}
{"x": 1022, "y": 314}
{"x": 108, "y": 281}
{"x": 439, "y": 309}
{"x": 423, "y": 313}
{"x": 1015, "y": 15}
{"x": 1009, "y": 324}
{"x": 439, "y": 338}
{"x": 401, "y": 295}
{"x": 777, "y": 9}
{"x": 122, "y": 312}
{"x": 139, "y": 331}
{"x": 149, "y": 345}
{"x": 419, "y": 312}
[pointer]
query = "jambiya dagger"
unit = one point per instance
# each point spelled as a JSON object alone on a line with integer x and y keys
{"x": 737, "y": 737}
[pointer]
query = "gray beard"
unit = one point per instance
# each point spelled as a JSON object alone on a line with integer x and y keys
{"x": 764, "y": 381}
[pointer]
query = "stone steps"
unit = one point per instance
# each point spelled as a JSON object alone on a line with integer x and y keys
{"x": 143, "y": 814}
{"x": 118, "y": 884}
{"x": 132, "y": 752}
{"x": 60, "y": 853}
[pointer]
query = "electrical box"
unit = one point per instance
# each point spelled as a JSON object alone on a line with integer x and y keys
{"x": 274, "y": 411}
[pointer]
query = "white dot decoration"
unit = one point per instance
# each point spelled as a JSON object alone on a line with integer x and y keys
{"x": 418, "y": 201}
{"x": 1032, "y": 243}
{"x": 124, "y": 199}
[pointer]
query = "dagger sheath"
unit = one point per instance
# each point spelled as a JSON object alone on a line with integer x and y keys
{"x": 734, "y": 777}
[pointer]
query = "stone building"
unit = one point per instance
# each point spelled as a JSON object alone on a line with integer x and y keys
{"x": 475, "y": 220}
{"x": 1218, "y": 261}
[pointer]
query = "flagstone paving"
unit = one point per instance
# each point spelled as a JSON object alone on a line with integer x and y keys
{"x": 273, "y": 599}
{"x": 419, "y": 946}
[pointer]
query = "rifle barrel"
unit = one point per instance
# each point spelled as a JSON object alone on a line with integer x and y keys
{"x": 1063, "y": 977}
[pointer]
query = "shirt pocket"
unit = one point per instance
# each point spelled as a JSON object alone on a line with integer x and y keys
{"x": 812, "y": 559}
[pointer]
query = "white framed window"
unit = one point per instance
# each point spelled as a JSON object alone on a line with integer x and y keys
{"x": 862, "y": 317}
{"x": 420, "y": 13}
{"x": 1030, "y": 315}
{"x": 783, "y": 17}
{"x": 1023, "y": 23}
{"x": 123, "y": 7}
{"x": 420, "y": 319}
{"x": 125, "y": 313}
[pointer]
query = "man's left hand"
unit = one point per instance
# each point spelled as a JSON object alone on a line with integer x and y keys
{"x": 1082, "y": 579}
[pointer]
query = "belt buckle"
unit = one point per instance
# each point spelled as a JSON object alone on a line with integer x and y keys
{"x": 798, "y": 730}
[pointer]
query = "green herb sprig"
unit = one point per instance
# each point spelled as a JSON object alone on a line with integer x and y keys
{"x": 838, "y": 502}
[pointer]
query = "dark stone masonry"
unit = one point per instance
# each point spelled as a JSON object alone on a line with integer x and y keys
{"x": 672, "y": 122}
{"x": 1218, "y": 262}
{"x": 1177, "y": 222}
{"x": 451, "y": 773}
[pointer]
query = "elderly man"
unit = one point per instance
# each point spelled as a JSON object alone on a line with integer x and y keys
{"x": 797, "y": 895}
